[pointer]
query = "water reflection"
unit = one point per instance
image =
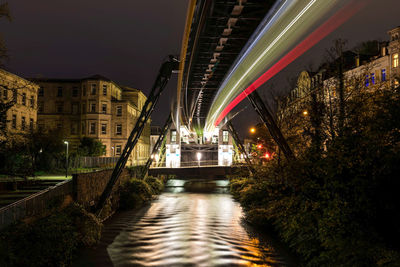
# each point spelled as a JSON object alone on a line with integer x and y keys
{"x": 190, "y": 229}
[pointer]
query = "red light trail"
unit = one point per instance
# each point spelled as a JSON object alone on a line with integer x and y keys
{"x": 321, "y": 32}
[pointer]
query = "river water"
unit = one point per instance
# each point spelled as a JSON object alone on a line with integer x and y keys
{"x": 185, "y": 226}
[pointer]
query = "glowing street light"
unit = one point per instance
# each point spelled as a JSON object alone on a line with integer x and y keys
{"x": 66, "y": 160}
{"x": 198, "y": 157}
{"x": 259, "y": 146}
{"x": 305, "y": 112}
{"x": 252, "y": 130}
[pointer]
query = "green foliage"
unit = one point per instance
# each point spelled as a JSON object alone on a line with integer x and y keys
{"x": 50, "y": 241}
{"x": 337, "y": 208}
{"x": 91, "y": 147}
{"x": 134, "y": 193}
{"x": 155, "y": 184}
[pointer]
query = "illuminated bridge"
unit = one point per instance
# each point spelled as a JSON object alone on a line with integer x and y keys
{"x": 229, "y": 49}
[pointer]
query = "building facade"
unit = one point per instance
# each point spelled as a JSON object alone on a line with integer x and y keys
{"x": 18, "y": 98}
{"x": 93, "y": 107}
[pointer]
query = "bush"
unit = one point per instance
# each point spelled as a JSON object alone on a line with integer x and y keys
{"x": 134, "y": 193}
{"x": 50, "y": 241}
{"x": 155, "y": 184}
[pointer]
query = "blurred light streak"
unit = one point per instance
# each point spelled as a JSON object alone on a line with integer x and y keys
{"x": 215, "y": 116}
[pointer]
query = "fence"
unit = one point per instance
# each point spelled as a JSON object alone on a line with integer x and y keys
{"x": 94, "y": 162}
{"x": 35, "y": 204}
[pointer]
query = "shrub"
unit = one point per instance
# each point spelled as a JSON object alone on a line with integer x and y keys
{"x": 50, "y": 241}
{"x": 134, "y": 193}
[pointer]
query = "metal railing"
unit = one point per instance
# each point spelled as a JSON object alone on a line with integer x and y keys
{"x": 33, "y": 205}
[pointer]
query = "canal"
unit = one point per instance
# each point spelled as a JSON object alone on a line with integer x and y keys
{"x": 190, "y": 224}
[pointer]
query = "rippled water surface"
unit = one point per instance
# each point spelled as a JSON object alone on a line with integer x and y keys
{"x": 186, "y": 229}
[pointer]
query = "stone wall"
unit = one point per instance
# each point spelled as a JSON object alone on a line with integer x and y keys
{"x": 88, "y": 187}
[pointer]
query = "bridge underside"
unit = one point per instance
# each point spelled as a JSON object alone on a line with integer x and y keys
{"x": 212, "y": 172}
{"x": 218, "y": 32}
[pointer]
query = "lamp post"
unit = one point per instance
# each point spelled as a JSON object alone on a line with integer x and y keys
{"x": 66, "y": 160}
{"x": 198, "y": 157}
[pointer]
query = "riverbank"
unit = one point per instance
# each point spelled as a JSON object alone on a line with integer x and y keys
{"x": 54, "y": 240}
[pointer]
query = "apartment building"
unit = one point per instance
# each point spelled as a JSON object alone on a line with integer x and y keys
{"x": 94, "y": 107}
{"x": 20, "y": 96}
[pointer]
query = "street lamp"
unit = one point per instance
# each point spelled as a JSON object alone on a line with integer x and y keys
{"x": 198, "y": 157}
{"x": 252, "y": 130}
{"x": 113, "y": 151}
{"x": 66, "y": 160}
{"x": 305, "y": 112}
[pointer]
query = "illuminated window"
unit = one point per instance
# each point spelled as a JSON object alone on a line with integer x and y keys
{"x": 225, "y": 136}
{"x": 395, "y": 60}
{"x": 173, "y": 136}
{"x": 367, "y": 81}
{"x": 383, "y": 75}
{"x": 373, "y": 78}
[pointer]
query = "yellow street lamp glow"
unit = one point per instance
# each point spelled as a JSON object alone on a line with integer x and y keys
{"x": 252, "y": 130}
{"x": 305, "y": 112}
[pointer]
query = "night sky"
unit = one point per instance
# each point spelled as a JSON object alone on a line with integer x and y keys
{"x": 126, "y": 41}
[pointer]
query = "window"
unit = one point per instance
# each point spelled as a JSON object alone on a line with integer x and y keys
{"x": 214, "y": 139}
{"x": 367, "y": 81}
{"x": 5, "y": 94}
{"x": 41, "y": 91}
{"x": 225, "y": 136}
{"x": 15, "y": 95}
{"x": 93, "y": 89}
{"x": 92, "y": 128}
{"x": 23, "y": 99}
{"x": 104, "y": 89}
{"x": 59, "y": 91}
{"x": 31, "y": 124}
{"x": 75, "y": 91}
{"x": 40, "y": 107}
{"x": 23, "y": 122}
{"x": 83, "y": 108}
{"x": 383, "y": 75}
{"x": 83, "y": 128}
{"x": 32, "y": 102}
{"x": 74, "y": 108}
{"x": 84, "y": 90}
{"x": 395, "y": 60}
{"x": 373, "y": 78}
{"x": 119, "y": 129}
{"x": 74, "y": 127}
{"x": 104, "y": 128}
{"x": 92, "y": 107}
{"x": 119, "y": 111}
{"x": 14, "y": 121}
{"x": 118, "y": 150}
{"x": 60, "y": 107}
{"x": 173, "y": 136}
{"x": 104, "y": 108}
